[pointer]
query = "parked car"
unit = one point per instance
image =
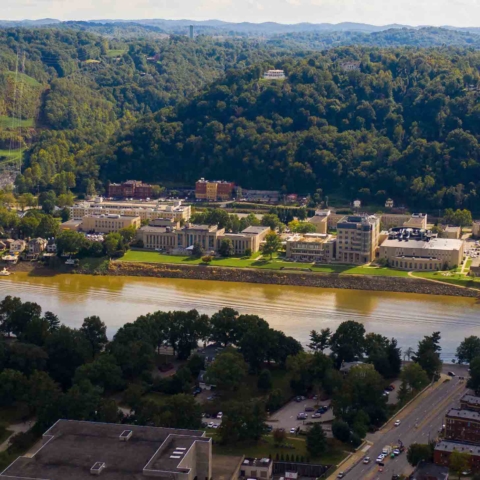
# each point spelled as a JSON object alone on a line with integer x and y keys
{"x": 451, "y": 374}
{"x": 309, "y": 409}
{"x": 196, "y": 391}
{"x": 165, "y": 367}
{"x": 366, "y": 460}
{"x": 215, "y": 425}
{"x": 397, "y": 423}
{"x": 298, "y": 399}
{"x": 210, "y": 425}
{"x": 341, "y": 475}
{"x": 219, "y": 415}
{"x": 293, "y": 430}
{"x": 380, "y": 458}
{"x": 316, "y": 415}
{"x": 397, "y": 452}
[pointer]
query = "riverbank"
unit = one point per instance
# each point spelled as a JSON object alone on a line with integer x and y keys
{"x": 307, "y": 279}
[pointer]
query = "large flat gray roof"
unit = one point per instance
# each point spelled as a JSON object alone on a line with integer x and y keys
{"x": 446, "y": 446}
{"x": 433, "y": 244}
{"x": 71, "y": 448}
{"x": 467, "y": 414}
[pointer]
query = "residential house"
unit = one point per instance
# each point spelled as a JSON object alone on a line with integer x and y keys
{"x": 17, "y": 247}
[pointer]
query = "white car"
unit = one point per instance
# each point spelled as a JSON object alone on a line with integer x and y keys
{"x": 396, "y": 452}
{"x": 219, "y": 415}
{"x": 366, "y": 460}
{"x": 293, "y": 430}
{"x": 210, "y": 425}
{"x": 380, "y": 458}
{"x": 215, "y": 425}
{"x": 397, "y": 423}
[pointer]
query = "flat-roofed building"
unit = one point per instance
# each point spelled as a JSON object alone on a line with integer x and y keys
{"x": 311, "y": 247}
{"x": 411, "y": 249}
{"x": 109, "y": 223}
{"x": 160, "y": 234}
{"x": 443, "y": 450}
{"x": 452, "y": 232}
{"x": 130, "y": 189}
{"x": 462, "y": 426}
{"x": 415, "y": 220}
{"x": 274, "y": 75}
{"x": 213, "y": 190}
{"x": 320, "y": 221}
{"x": 470, "y": 402}
{"x": 476, "y": 229}
{"x": 249, "y": 239}
{"x": 357, "y": 239}
{"x": 144, "y": 210}
{"x": 75, "y": 450}
{"x": 257, "y": 468}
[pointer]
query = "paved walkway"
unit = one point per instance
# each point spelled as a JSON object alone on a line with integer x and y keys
{"x": 411, "y": 274}
{"x": 14, "y": 429}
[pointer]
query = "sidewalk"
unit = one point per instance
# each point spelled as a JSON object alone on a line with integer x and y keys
{"x": 14, "y": 429}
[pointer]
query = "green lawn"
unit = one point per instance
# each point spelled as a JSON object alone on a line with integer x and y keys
{"x": 265, "y": 447}
{"x": 10, "y": 155}
{"x": 25, "y": 78}
{"x": 115, "y": 53}
{"x": 276, "y": 263}
{"x": 7, "y": 122}
{"x": 453, "y": 278}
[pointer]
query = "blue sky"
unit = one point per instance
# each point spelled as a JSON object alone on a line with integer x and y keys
{"x": 378, "y": 12}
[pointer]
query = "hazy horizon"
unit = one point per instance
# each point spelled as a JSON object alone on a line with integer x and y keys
{"x": 457, "y": 13}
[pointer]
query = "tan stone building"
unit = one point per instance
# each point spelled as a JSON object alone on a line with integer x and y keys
{"x": 311, "y": 247}
{"x": 249, "y": 239}
{"x": 357, "y": 239}
{"x": 320, "y": 220}
{"x": 416, "y": 220}
{"x": 144, "y": 210}
{"x": 109, "y": 223}
{"x": 452, "y": 232}
{"x": 427, "y": 254}
{"x": 476, "y": 229}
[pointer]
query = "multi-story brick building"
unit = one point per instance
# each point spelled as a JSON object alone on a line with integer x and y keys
{"x": 213, "y": 190}
{"x": 470, "y": 402}
{"x": 130, "y": 189}
{"x": 357, "y": 239}
{"x": 443, "y": 450}
{"x": 462, "y": 426}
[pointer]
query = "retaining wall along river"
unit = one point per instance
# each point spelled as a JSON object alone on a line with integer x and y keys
{"x": 272, "y": 277}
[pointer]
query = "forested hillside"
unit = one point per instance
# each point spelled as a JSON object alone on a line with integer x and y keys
{"x": 406, "y": 126}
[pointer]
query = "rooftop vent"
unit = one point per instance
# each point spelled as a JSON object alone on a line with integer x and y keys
{"x": 125, "y": 435}
{"x": 97, "y": 468}
{"x": 246, "y": 462}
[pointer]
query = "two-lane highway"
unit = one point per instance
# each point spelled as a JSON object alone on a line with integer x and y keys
{"x": 419, "y": 423}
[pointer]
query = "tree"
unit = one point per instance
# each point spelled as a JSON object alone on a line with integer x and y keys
{"x": 242, "y": 421}
{"x": 48, "y": 201}
{"x": 102, "y": 372}
{"x": 197, "y": 250}
{"x": 341, "y": 431}
{"x": 28, "y": 226}
{"x": 419, "y": 452}
{"x": 69, "y": 242}
{"x": 95, "y": 331}
{"x": 279, "y": 436}
{"x": 226, "y": 248}
{"x": 227, "y": 370}
{"x": 301, "y": 227}
{"x": 319, "y": 341}
{"x": 67, "y": 349}
{"x": 8, "y": 306}
{"x": 265, "y": 380}
{"x": 128, "y": 234}
{"x": 316, "y": 441}
{"x": 460, "y": 218}
{"x": 428, "y": 355}
{"x": 48, "y": 227}
{"x": 65, "y": 200}
{"x": 223, "y": 326}
{"x": 13, "y": 387}
{"x": 134, "y": 358}
{"x": 26, "y": 358}
{"x": 348, "y": 342}
{"x": 207, "y": 259}
{"x": 474, "y": 380}
{"x": 113, "y": 244}
{"x": 468, "y": 349}
{"x": 459, "y": 462}
{"x": 272, "y": 244}
{"x": 413, "y": 378}
{"x": 272, "y": 221}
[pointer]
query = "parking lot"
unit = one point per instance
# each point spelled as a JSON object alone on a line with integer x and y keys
{"x": 286, "y": 417}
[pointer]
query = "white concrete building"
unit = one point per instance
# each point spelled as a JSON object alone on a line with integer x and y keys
{"x": 274, "y": 75}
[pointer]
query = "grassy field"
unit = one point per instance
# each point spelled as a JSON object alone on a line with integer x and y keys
{"x": 276, "y": 263}
{"x": 25, "y": 78}
{"x": 265, "y": 447}
{"x": 115, "y": 53}
{"x": 453, "y": 278}
{"x": 6, "y": 122}
{"x": 6, "y": 155}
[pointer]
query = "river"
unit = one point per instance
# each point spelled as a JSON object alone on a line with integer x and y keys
{"x": 294, "y": 310}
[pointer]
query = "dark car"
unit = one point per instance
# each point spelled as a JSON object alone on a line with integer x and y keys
{"x": 196, "y": 391}
{"x": 166, "y": 367}
{"x": 451, "y": 374}
{"x": 309, "y": 409}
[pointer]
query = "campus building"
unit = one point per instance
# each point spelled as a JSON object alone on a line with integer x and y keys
{"x": 470, "y": 402}
{"x": 476, "y": 229}
{"x": 258, "y": 468}
{"x": 168, "y": 235}
{"x": 109, "y": 223}
{"x": 462, "y": 426}
{"x": 214, "y": 190}
{"x": 357, "y": 239}
{"x": 414, "y": 249}
{"x": 76, "y": 450}
{"x": 144, "y": 210}
{"x": 443, "y": 450}
{"x": 311, "y": 247}
{"x": 415, "y": 220}
{"x": 130, "y": 189}
{"x": 320, "y": 221}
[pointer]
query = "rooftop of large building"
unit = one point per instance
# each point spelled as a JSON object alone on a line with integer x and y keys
{"x": 159, "y": 205}
{"x": 309, "y": 238}
{"x": 365, "y": 222}
{"x": 112, "y": 216}
{"x": 71, "y": 448}
{"x": 463, "y": 414}
{"x": 202, "y": 180}
{"x": 446, "y": 244}
{"x": 255, "y": 230}
{"x": 446, "y": 446}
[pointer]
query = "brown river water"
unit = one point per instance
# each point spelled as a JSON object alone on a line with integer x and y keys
{"x": 294, "y": 310}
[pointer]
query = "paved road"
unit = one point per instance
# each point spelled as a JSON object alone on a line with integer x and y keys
{"x": 419, "y": 423}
